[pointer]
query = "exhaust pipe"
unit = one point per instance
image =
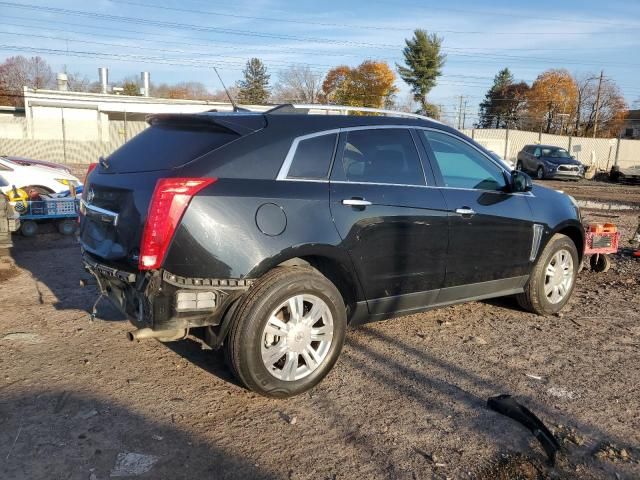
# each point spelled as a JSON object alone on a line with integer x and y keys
{"x": 162, "y": 335}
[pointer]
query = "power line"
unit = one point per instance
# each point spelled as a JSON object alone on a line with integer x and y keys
{"x": 347, "y": 25}
{"x": 159, "y": 23}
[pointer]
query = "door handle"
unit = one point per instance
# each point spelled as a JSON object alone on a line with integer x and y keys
{"x": 356, "y": 202}
{"x": 465, "y": 211}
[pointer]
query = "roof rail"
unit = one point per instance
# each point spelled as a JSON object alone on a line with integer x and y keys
{"x": 341, "y": 110}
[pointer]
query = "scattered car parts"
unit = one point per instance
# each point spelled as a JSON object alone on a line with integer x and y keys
{"x": 507, "y": 406}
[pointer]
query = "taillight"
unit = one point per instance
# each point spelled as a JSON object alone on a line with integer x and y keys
{"x": 168, "y": 203}
{"x": 91, "y": 168}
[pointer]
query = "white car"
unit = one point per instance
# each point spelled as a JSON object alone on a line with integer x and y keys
{"x": 44, "y": 179}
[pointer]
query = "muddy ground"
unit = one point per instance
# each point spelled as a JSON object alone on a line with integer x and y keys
{"x": 407, "y": 399}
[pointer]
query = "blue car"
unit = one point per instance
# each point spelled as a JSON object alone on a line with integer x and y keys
{"x": 549, "y": 161}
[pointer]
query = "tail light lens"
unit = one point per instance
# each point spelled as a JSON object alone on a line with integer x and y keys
{"x": 168, "y": 203}
{"x": 91, "y": 168}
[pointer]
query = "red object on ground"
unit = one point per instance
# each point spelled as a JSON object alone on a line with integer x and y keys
{"x": 602, "y": 239}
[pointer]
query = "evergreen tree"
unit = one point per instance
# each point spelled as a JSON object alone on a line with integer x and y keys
{"x": 254, "y": 88}
{"x": 492, "y": 108}
{"x": 424, "y": 64}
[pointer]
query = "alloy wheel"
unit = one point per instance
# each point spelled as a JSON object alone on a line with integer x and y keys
{"x": 559, "y": 276}
{"x": 297, "y": 337}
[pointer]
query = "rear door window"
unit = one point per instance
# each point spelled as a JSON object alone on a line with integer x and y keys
{"x": 379, "y": 155}
{"x": 161, "y": 147}
{"x": 312, "y": 157}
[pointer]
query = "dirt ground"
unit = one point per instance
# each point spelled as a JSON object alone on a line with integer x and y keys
{"x": 407, "y": 399}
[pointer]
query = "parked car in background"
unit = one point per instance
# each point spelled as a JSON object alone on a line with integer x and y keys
{"x": 548, "y": 161}
{"x": 268, "y": 233}
{"x": 29, "y": 161}
{"x": 42, "y": 178}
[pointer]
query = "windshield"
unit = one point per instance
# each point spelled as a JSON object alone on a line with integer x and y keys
{"x": 555, "y": 153}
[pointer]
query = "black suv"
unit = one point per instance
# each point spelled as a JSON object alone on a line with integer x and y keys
{"x": 269, "y": 233}
{"x": 548, "y": 161}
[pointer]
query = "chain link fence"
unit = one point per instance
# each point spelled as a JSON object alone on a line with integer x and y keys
{"x": 601, "y": 152}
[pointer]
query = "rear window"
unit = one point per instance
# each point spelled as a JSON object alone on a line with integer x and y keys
{"x": 162, "y": 147}
{"x": 312, "y": 157}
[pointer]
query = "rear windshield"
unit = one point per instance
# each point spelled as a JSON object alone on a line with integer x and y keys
{"x": 161, "y": 147}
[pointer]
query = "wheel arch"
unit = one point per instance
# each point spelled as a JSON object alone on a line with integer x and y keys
{"x": 332, "y": 262}
{"x": 575, "y": 233}
{"x": 35, "y": 185}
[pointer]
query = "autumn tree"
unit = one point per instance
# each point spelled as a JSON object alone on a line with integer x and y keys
{"x": 552, "y": 101}
{"x": 504, "y": 105}
{"x": 611, "y": 104}
{"x": 183, "y": 90}
{"x": 18, "y": 72}
{"x": 370, "y": 84}
{"x": 423, "y": 65}
{"x": 254, "y": 87}
{"x": 298, "y": 83}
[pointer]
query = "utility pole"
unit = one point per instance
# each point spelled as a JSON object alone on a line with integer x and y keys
{"x": 460, "y": 113}
{"x": 464, "y": 114}
{"x": 595, "y": 122}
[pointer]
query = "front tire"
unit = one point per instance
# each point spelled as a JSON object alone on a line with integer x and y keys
{"x": 519, "y": 166}
{"x": 287, "y": 332}
{"x": 553, "y": 278}
{"x": 540, "y": 173}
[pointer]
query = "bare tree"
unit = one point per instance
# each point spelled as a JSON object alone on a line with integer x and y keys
{"x": 78, "y": 83}
{"x": 612, "y": 106}
{"x": 298, "y": 83}
{"x": 18, "y": 72}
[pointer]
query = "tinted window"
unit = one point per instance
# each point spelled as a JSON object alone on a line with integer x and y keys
{"x": 379, "y": 156}
{"x": 313, "y": 157}
{"x": 555, "y": 153}
{"x": 461, "y": 165}
{"x": 166, "y": 146}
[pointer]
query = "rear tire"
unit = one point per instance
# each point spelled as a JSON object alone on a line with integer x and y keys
{"x": 266, "y": 323}
{"x": 519, "y": 166}
{"x": 553, "y": 278}
{"x": 67, "y": 227}
{"x": 28, "y": 228}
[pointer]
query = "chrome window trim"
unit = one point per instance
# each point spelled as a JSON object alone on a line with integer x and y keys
{"x": 283, "y": 173}
{"x": 286, "y": 165}
{"x": 288, "y": 160}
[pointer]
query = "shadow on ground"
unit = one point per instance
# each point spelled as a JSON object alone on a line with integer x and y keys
{"x": 71, "y": 435}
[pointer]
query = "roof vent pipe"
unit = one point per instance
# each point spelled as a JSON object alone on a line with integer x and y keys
{"x": 145, "y": 80}
{"x": 63, "y": 82}
{"x": 103, "y": 74}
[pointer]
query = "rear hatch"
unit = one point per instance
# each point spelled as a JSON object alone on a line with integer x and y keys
{"x": 122, "y": 185}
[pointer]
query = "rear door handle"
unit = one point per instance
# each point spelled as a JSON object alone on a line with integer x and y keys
{"x": 465, "y": 211}
{"x": 356, "y": 202}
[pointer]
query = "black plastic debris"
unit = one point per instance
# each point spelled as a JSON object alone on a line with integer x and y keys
{"x": 507, "y": 406}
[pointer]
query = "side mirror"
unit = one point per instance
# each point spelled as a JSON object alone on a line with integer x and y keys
{"x": 520, "y": 182}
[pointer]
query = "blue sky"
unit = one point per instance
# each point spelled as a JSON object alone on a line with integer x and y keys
{"x": 180, "y": 40}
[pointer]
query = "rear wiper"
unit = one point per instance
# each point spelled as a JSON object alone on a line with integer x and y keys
{"x": 103, "y": 162}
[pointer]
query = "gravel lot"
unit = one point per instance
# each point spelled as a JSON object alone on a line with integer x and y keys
{"x": 407, "y": 400}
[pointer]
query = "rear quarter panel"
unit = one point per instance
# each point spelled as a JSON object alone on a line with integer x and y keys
{"x": 219, "y": 235}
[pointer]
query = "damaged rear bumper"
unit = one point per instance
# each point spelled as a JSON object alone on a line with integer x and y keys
{"x": 162, "y": 301}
